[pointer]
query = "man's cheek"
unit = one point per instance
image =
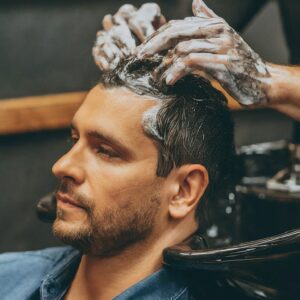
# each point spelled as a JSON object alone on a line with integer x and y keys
{"x": 131, "y": 175}
{"x": 121, "y": 183}
{"x": 127, "y": 191}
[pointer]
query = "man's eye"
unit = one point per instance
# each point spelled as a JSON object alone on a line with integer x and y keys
{"x": 106, "y": 152}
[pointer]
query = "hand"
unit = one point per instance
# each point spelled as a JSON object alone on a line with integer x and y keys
{"x": 117, "y": 39}
{"x": 207, "y": 44}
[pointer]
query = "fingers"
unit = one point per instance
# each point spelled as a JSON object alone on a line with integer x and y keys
{"x": 126, "y": 11}
{"x": 150, "y": 10}
{"x": 122, "y": 37}
{"x": 143, "y": 21}
{"x": 170, "y": 34}
{"x": 99, "y": 59}
{"x": 111, "y": 46}
{"x": 192, "y": 46}
{"x": 200, "y": 9}
{"x": 209, "y": 63}
{"x": 140, "y": 29}
{"x": 108, "y": 51}
{"x": 213, "y": 45}
{"x": 116, "y": 40}
{"x": 158, "y": 22}
{"x": 167, "y": 61}
{"x": 102, "y": 63}
{"x": 121, "y": 17}
{"x": 106, "y": 55}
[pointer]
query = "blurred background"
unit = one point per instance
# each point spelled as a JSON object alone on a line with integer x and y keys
{"x": 45, "y": 60}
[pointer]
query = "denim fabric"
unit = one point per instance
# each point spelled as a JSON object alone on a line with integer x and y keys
{"x": 47, "y": 274}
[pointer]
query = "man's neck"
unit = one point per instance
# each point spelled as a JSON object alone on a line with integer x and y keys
{"x": 104, "y": 278}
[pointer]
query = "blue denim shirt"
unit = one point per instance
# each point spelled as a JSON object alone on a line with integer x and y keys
{"x": 47, "y": 274}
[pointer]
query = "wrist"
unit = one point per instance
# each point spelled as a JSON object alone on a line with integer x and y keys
{"x": 283, "y": 84}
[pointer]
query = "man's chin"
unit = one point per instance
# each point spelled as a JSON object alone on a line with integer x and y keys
{"x": 69, "y": 226}
{"x": 71, "y": 233}
{"x": 70, "y": 221}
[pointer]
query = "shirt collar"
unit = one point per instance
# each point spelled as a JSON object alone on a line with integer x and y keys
{"x": 166, "y": 283}
{"x": 57, "y": 282}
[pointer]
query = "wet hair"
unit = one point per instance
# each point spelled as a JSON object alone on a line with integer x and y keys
{"x": 191, "y": 124}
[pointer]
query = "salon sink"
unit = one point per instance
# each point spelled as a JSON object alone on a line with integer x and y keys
{"x": 262, "y": 269}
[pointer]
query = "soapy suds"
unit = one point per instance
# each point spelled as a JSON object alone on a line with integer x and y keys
{"x": 123, "y": 31}
{"x": 208, "y": 44}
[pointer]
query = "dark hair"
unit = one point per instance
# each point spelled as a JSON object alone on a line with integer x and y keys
{"x": 192, "y": 123}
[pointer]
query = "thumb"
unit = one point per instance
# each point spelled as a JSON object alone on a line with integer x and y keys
{"x": 200, "y": 9}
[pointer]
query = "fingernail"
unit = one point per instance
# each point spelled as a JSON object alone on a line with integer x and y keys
{"x": 169, "y": 79}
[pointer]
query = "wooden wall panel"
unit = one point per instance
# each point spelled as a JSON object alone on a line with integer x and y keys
{"x": 38, "y": 112}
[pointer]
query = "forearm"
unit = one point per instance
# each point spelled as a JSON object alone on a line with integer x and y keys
{"x": 284, "y": 90}
{"x": 285, "y": 85}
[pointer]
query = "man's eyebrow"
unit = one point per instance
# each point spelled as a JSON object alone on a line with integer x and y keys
{"x": 106, "y": 139}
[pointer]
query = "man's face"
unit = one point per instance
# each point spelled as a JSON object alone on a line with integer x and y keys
{"x": 109, "y": 174}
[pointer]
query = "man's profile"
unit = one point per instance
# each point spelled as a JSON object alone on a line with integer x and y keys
{"x": 146, "y": 160}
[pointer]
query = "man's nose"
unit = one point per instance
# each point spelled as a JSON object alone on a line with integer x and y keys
{"x": 70, "y": 166}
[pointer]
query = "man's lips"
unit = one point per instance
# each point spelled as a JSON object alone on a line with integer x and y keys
{"x": 65, "y": 200}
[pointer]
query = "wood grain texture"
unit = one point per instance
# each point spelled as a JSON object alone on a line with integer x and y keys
{"x": 35, "y": 113}
{"x": 38, "y": 112}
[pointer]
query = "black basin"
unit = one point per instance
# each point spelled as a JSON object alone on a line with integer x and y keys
{"x": 268, "y": 268}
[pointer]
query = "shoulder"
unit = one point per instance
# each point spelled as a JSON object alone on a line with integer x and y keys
{"x": 38, "y": 258}
{"x": 24, "y": 270}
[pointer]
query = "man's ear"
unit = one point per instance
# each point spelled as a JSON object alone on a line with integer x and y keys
{"x": 191, "y": 182}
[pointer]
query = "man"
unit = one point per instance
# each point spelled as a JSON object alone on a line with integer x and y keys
{"x": 146, "y": 158}
{"x": 203, "y": 44}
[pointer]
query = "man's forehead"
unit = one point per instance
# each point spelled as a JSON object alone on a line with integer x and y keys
{"x": 115, "y": 108}
{"x": 117, "y": 99}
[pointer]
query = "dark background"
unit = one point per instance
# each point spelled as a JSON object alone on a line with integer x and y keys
{"x": 45, "y": 47}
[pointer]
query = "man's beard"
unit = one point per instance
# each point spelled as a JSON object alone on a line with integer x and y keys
{"x": 111, "y": 230}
